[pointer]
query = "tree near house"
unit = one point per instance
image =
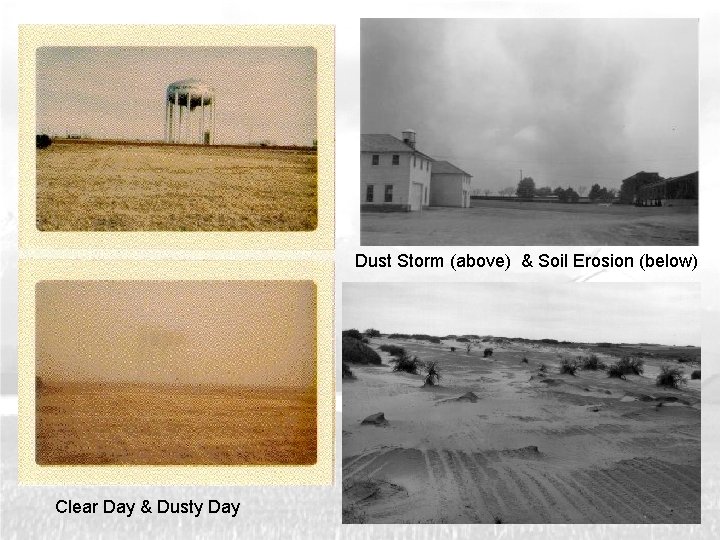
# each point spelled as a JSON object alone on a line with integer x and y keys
{"x": 526, "y": 188}
{"x": 571, "y": 195}
{"x": 568, "y": 195}
{"x": 594, "y": 192}
{"x": 582, "y": 190}
{"x": 543, "y": 191}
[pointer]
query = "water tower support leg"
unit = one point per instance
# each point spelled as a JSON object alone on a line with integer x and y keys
{"x": 202, "y": 118}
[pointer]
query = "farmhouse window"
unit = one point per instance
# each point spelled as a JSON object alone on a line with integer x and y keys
{"x": 388, "y": 192}
{"x": 370, "y": 193}
{"x": 426, "y": 195}
{"x": 415, "y": 162}
{"x": 376, "y": 159}
{"x": 396, "y": 159}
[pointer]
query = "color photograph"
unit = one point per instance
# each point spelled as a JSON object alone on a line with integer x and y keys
{"x": 175, "y": 373}
{"x": 176, "y": 138}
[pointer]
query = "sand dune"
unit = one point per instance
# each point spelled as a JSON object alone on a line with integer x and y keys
{"x": 582, "y": 449}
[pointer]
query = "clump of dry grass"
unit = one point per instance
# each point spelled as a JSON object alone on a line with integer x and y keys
{"x": 568, "y": 366}
{"x": 626, "y": 366}
{"x": 347, "y": 372}
{"x": 592, "y": 363}
{"x": 671, "y": 377}
{"x": 432, "y": 375}
{"x": 407, "y": 363}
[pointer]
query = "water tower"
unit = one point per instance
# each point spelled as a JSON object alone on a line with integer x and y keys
{"x": 190, "y": 112}
{"x": 408, "y": 137}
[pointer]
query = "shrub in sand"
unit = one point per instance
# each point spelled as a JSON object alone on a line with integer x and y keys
{"x": 524, "y": 360}
{"x": 592, "y": 362}
{"x": 407, "y": 363}
{"x": 353, "y": 333}
{"x": 671, "y": 377}
{"x": 347, "y": 372}
{"x": 393, "y": 350}
{"x": 631, "y": 366}
{"x": 355, "y": 351}
{"x": 568, "y": 366}
{"x": 695, "y": 374}
{"x": 452, "y": 349}
{"x": 487, "y": 352}
{"x": 542, "y": 368}
{"x": 432, "y": 376}
{"x": 372, "y": 332}
{"x": 615, "y": 370}
{"x": 42, "y": 141}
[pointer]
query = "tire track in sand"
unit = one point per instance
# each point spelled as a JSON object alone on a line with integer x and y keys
{"x": 465, "y": 488}
{"x": 480, "y": 479}
{"x": 623, "y": 507}
{"x": 585, "y": 507}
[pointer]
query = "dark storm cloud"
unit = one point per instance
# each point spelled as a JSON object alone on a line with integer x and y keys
{"x": 571, "y": 102}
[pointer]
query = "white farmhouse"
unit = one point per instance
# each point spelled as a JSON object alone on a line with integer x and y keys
{"x": 394, "y": 175}
{"x": 450, "y": 185}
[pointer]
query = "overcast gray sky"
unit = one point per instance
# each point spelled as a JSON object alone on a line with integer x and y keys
{"x": 585, "y": 312}
{"x": 262, "y": 93}
{"x": 569, "y": 101}
{"x": 200, "y": 332}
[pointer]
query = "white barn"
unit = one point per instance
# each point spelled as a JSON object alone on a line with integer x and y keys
{"x": 450, "y": 185}
{"x": 394, "y": 175}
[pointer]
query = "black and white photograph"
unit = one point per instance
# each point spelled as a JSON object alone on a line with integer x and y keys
{"x": 521, "y": 403}
{"x": 529, "y": 132}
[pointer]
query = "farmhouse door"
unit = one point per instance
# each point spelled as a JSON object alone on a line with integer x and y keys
{"x": 416, "y": 194}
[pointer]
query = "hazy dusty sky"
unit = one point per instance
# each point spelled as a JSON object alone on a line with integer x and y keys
{"x": 262, "y": 93}
{"x": 570, "y": 102}
{"x": 590, "y": 312}
{"x": 233, "y": 332}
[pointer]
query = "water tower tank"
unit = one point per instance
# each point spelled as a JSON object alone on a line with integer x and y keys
{"x": 190, "y": 112}
{"x": 408, "y": 137}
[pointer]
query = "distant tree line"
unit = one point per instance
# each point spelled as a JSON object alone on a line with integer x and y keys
{"x": 526, "y": 189}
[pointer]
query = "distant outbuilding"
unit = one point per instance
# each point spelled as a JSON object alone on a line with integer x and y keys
{"x": 449, "y": 185}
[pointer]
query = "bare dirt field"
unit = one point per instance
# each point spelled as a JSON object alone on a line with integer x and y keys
{"x": 114, "y": 186}
{"x": 533, "y": 448}
{"x": 497, "y": 223}
{"x": 122, "y": 424}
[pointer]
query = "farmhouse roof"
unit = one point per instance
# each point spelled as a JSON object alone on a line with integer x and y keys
{"x": 692, "y": 177}
{"x": 445, "y": 167}
{"x": 383, "y": 142}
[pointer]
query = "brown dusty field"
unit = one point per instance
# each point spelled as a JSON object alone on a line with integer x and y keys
{"x": 531, "y": 449}
{"x": 106, "y": 186}
{"x": 501, "y": 223}
{"x": 132, "y": 424}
